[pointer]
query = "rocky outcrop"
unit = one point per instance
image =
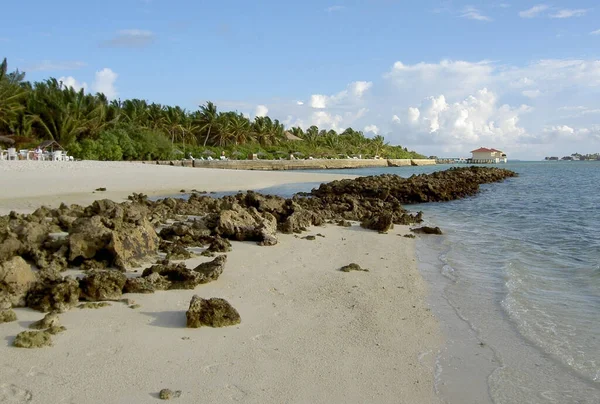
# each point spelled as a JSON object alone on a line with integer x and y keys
{"x": 16, "y": 278}
{"x": 381, "y": 223}
{"x": 102, "y": 285}
{"x": 118, "y": 233}
{"x": 213, "y": 269}
{"x": 53, "y": 293}
{"x": 213, "y": 312}
{"x": 248, "y": 224}
{"x": 219, "y": 245}
{"x": 165, "y": 275}
{"x": 175, "y": 250}
{"x": 454, "y": 183}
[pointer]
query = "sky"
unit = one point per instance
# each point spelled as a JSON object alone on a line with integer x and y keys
{"x": 439, "y": 77}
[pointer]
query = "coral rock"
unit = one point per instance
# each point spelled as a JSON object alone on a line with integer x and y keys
{"x": 214, "y": 312}
{"x": 102, "y": 285}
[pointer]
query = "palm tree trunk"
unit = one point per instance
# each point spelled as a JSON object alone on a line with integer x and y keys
{"x": 207, "y": 135}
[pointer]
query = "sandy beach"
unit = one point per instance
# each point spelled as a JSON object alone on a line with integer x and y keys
{"x": 26, "y": 185}
{"x": 309, "y": 333}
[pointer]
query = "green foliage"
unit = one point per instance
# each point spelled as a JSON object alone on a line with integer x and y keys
{"x": 91, "y": 127}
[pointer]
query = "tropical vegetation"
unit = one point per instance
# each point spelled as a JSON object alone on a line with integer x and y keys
{"x": 90, "y": 126}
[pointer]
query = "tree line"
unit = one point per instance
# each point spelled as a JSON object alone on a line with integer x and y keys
{"x": 90, "y": 126}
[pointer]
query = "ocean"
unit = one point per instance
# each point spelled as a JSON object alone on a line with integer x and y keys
{"x": 515, "y": 283}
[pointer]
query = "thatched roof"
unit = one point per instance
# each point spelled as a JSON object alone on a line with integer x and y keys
{"x": 50, "y": 144}
{"x": 290, "y": 136}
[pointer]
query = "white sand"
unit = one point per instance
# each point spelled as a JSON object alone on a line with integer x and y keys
{"x": 25, "y": 185}
{"x": 309, "y": 333}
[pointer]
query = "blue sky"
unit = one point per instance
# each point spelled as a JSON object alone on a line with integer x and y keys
{"x": 442, "y": 77}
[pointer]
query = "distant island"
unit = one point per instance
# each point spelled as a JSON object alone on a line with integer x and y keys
{"x": 576, "y": 157}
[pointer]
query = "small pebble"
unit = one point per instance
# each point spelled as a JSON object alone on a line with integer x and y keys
{"x": 166, "y": 394}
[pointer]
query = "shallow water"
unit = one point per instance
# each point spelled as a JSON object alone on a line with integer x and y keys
{"x": 520, "y": 266}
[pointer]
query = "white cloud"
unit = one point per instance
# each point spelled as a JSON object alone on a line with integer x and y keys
{"x": 353, "y": 93}
{"x": 533, "y": 11}
{"x": 413, "y": 114}
{"x": 597, "y": 32}
{"x": 452, "y": 78}
{"x": 372, "y": 129}
{"x": 261, "y": 110}
{"x": 299, "y": 103}
{"x": 568, "y": 13}
{"x": 105, "y": 83}
{"x": 48, "y": 65}
{"x": 130, "y": 38}
{"x": 531, "y": 93}
{"x": 396, "y": 119}
{"x": 326, "y": 120}
{"x": 472, "y": 13}
{"x": 72, "y": 82}
{"x": 477, "y": 119}
{"x": 359, "y": 88}
{"x": 318, "y": 101}
{"x": 333, "y": 9}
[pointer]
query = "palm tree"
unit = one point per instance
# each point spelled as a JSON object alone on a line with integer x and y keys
{"x": 11, "y": 96}
{"x": 378, "y": 142}
{"x": 208, "y": 119}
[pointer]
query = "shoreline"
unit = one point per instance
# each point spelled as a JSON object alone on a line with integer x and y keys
{"x": 309, "y": 332}
{"x": 279, "y": 165}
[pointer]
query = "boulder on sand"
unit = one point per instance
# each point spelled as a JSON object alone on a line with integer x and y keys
{"x": 50, "y": 320}
{"x": 16, "y": 278}
{"x": 33, "y": 339}
{"x": 213, "y": 312}
{"x": 7, "y": 316}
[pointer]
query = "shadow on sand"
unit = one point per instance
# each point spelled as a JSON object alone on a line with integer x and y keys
{"x": 167, "y": 319}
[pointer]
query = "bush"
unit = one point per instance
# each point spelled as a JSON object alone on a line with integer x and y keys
{"x": 125, "y": 143}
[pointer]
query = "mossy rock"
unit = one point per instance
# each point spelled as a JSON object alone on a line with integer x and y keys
{"x": 7, "y": 316}
{"x": 214, "y": 312}
{"x": 50, "y": 320}
{"x": 353, "y": 267}
{"x": 33, "y": 339}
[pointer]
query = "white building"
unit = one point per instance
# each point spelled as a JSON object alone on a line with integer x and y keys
{"x": 488, "y": 156}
